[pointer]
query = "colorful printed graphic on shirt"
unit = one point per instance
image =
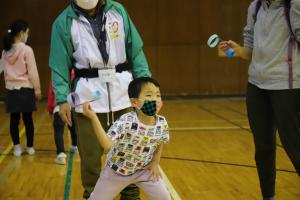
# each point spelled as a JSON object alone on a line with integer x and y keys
{"x": 134, "y": 143}
{"x": 113, "y": 29}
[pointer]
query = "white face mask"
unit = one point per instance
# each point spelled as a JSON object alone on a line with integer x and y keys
{"x": 87, "y": 4}
{"x": 24, "y": 38}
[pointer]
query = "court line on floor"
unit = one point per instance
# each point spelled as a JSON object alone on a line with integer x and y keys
{"x": 15, "y": 160}
{"x": 22, "y": 132}
{"x": 169, "y": 185}
{"x": 69, "y": 177}
{"x": 235, "y": 111}
{"x": 10, "y": 146}
{"x": 222, "y": 163}
{"x": 208, "y": 128}
{"x": 223, "y": 118}
{"x": 229, "y": 121}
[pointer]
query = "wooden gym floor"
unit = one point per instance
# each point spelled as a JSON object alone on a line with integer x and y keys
{"x": 209, "y": 157}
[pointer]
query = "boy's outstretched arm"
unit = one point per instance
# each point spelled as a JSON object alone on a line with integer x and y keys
{"x": 240, "y": 51}
{"x": 102, "y": 137}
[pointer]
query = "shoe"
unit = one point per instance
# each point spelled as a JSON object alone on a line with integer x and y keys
{"x": 61, "y": 158}
{"x": 73, "y": 149}
{"x": 86, "y": 194}
{"x": 30, "y": 150}
{"x": 18, "y": 150}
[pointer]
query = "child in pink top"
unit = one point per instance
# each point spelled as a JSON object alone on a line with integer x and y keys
{"x": 21, "y": 81}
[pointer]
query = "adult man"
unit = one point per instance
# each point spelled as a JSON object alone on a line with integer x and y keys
{"x": 99, "y": 40}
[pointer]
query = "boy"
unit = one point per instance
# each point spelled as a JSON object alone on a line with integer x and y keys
{"x": 135, "y": 142}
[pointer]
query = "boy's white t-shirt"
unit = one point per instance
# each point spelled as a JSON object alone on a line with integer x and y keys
{"x": 134, "y": 142}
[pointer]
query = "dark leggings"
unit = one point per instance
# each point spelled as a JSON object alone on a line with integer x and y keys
{"x": 269, "y": 110}
{"x": 14, "y": 127}
{"x": 58, "y": 126}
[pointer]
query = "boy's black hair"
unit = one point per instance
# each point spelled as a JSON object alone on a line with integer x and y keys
{"x": 135, "y": 86}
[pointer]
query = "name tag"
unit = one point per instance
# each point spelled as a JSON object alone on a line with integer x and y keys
{"x": 107, "y": 75}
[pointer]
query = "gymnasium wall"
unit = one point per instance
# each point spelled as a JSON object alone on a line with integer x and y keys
{"x": 174, "y": 33}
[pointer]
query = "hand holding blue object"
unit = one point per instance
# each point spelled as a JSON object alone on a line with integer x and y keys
{"x": 74, "y": 100}
{"x": 215, "y": 40}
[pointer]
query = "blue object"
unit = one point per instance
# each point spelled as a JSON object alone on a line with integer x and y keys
{"x": 230, "y": 53}
{"x": 96, "y": 95}
{"x": 214, "y": 41}
{"x": 74, "y": 100}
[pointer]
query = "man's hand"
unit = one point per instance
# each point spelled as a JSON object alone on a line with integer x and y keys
{"x": 65, "y": 113}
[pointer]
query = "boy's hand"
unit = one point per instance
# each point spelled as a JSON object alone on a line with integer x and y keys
{"x": 88, "y": 112}
{"x": 154, "y": 171}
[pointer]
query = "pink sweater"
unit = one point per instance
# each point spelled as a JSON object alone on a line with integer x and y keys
{"x": 20, "y": 68}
